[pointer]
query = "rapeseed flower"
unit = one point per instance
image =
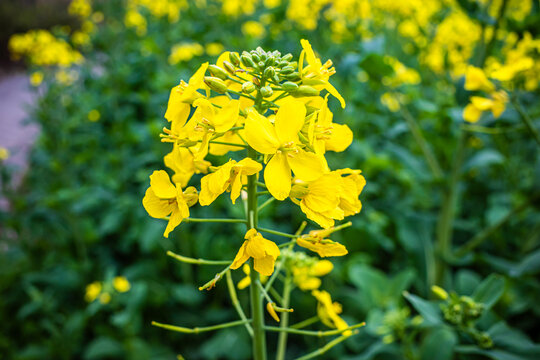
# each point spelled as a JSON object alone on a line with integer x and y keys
{"x": 329, "y": 311}
{"x": 264, "y": 253}
{"x": 163, "y": 198}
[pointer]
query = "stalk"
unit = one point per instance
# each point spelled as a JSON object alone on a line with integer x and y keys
{"x": 282, "y": 339}
{"x": 257, "y": 312}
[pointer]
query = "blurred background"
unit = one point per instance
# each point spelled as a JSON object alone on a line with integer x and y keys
{"x": 83, "y": 89}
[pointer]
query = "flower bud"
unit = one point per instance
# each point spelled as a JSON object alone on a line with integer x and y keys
{"x": 305, "y": 90}
{"x": 282, "y": 64}
{"x": 289, "y": 86}
{"x": 235, "y": 58}
{"x": 247, "y": 60}
{"x": 217, "y": 72}
{"x": 229, "y": 67}
{"x": 269, "y": 72}
{"x": 248, "y": 87}
{"x": 287, "y": 70}
{"x": 270, "y": 61}
{"x": 215, "y": 84}
{"x": 272, "y": 311}
{"x": 439, "y": 292}
{"x": 256, "y": 58}
{"x": 287, "y": 57}
{"x": 293, "y": 77}
{"x": 266, "y": 91}
{"x": 260, "y": 64}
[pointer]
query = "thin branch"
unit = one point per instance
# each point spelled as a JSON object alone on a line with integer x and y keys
{"x": 189, "y": 260}
{"x": 314, "y": 332}
{"x": 210, "y": 284}
{"x": 198, "y": 330}
{"x": 236, "y": 303}
{"x": 325, "y": 348}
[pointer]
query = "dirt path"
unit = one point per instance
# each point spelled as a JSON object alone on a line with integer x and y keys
{"x": 16, "y": 98}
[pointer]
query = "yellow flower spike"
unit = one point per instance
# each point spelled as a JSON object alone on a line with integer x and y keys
{"x": 184, "y": 94}
{"x": 121, "y": 284}
{"x": 281, "y": 140}
{"x": 264, "y": 253}
{"x": 328, "y": 311}
{"x": 324, "y": 248}
{"x": 163, "y": 198}
{"x": 317, "y": 71}
{"x": 229, "y": 177}
{"x": 272, "y": 311}
{"x": 476, "y": 79}
{"x": 306, "y": 274}
{"x": 182, "y": 162}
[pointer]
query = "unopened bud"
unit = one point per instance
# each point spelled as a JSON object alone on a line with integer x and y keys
{"x": 282, "y": 64}
{"x": 217, "y": 72}
{"x": 287, "y": 57}
{"x": 256, "y": 58}
{"x": 215, "y": 84}
{"x": 229, "y": 67}
{"x": 247, "y": 60}
{"x": 270, "y": 61}
{"x": 293, "y": 77}
{"x": 439, "y": 292}
{"x": 260, "y": 64}
{"x": 287, "y": 70}
{"x": 267, "y": 91}
{"x": 289, "y": 86}
{"x": 269, "y": 72}
{"x": 305, "y": 90}
{"x": 272, "y": 311}
{"x": 235, "y": 58}
{"x": 248, "y": 87}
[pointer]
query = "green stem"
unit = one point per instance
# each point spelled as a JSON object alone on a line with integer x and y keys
{"x": 210, "y": 284}
{"x": 446, "y": 217}
{"x": 236, "y": 302}
{"x": 314, "y": 332}
{"x": 228, "y": 144}
{"x": 266, "y": 203}
{"x": 278, "y": 233}
{"x": 325, "y": 348}
{"x": 307, "y": 322}
{"x": 526, "y": 119}
{"x": 424, "y": 146}
{"x": 286, "y": 299}
{"x": 257, "y": 313}
{"x": 490, "y": 131}
{"x": 195, "y": 220}
{"x": 189, "y": 260}
{"x": 198, "y": 330}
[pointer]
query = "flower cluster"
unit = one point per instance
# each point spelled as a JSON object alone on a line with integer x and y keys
{"x": 271, "y": 106}
{"x": 476, "y": 80}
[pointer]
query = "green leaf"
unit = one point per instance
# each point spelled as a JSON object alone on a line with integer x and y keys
{"x": 102, "y": 348}
{"x": 528, "y": 266}
{"x": 489, "y": 291}
{"x": 439, "y": 344}
{"x": 429, "y": 311}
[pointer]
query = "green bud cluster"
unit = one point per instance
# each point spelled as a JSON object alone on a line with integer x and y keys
{"x": 461, "y": 310}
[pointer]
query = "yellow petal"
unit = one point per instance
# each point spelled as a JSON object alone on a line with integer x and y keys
{"x": 289, "y": 120}
{"x": 175, "y": 220}
{"x": 244, "y": 283}
{"x": 271, "y": 311}
{"x": 322, "y": 268}
{"x": 241, "y": 257}
{"x": 156, "y": 207}
{"x": 320, "y": 218}
{"x": 177, "y": 111}
{"x": 227, "y": 116}
{"x": 332, "y": 90}
{"x": 161, "y": 185}
{"x": 248, "y": 166}
{"x": 471, "y": 113}
{"x": 341, "y": 138}
{"x": 309, "y": 283}
{"x": 255, "y": 247}
{"x": 264, "y": 266}
{"x": 277, "y": 176}
{"x": 481, "y": 103}
{"x": 271, "y": 248}
{"x": 306, "y": 165}
{"x": 260, "y": 133}
{"x": 476, "y": 79}
{"x": 328, "y": 248}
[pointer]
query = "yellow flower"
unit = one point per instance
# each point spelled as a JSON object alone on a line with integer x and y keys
{"x": 253, "y": 29}
{"x": 214, "y": 48}
{"x": 246, "y": 281}
{"x": 105, "y": 298}
{"x": 391, "y": 101}
{"x": 323, "y": 134}
{"x": 330, "y": 197}
{"x": 228, "y": 177}
{"x": 121, "y": 284}
{"x": 163, "y": 198}
{"x": 92, "y": 291}
{"x": 94, "y": 115}
{"x": 182, "y": 96}
{"x": 328, "y": 311}
{"x": 281, "y": 140}
{"x": 272, "y": 311}
{"x": 476, "y": 79}
{"x": 323, "y": 247}
{"x": 315, "y": 73}
{"x": 36, "y": 78}
{"x": 306, "y": 274}
{"x": 264, "y": 253}
{"x": 185, "y": 52}
{"x": 478, "y": 104}
{"x": 182, "y": 161}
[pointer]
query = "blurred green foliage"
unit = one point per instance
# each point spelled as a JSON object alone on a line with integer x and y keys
{"x": 77, "y": 216}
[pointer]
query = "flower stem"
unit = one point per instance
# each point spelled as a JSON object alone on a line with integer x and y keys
{"x": 198, "y": 330}
{"x": 189, "y": 260}
{"x": 236, "y": 302}
{"x": 526, "y": 119}
{"x": 286, "y": 298}
{"x": 326, "y": 347}
{"x": 193, "y": 220}
{"x": 278, "y": 233}
{"x": 210, "y": 284}
{"x": 314, "y": 332}
{"x": 259, "y": 334}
